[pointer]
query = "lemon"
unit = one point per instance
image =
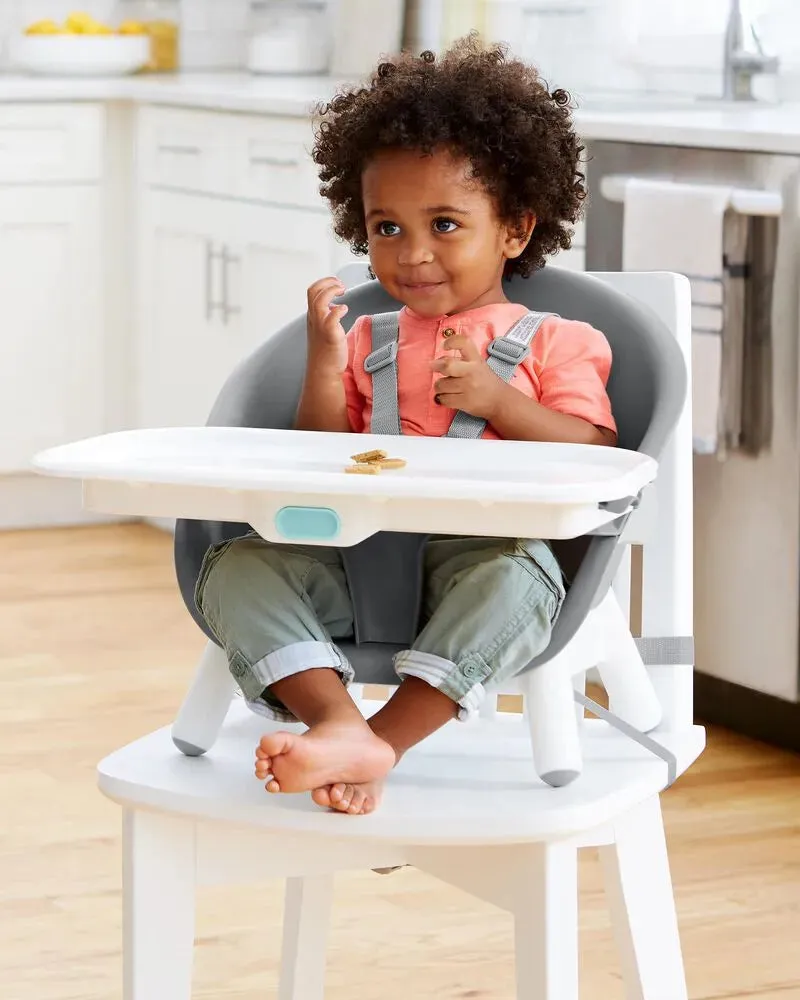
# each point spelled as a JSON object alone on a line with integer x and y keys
{"x": 43, "y": 28}
{"x": 80, "y": 23}
{"x": 132, "y": 28}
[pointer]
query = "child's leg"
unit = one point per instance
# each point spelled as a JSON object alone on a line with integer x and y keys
{"x": 274, "y": 609}
{"x": 490, "y": 605}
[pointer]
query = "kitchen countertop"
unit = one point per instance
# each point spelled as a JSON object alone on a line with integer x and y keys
{"x": 753, "y": 128}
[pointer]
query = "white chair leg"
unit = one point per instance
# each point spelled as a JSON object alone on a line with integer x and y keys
{"x": 579, "y": 684}
{"x": 642, "y": 906}
{"x": 546, "y": 923}
{"x": 306, "y": 917}
{"x": 159, "y": 906}
{"x": 631, "y": 694}
{"x": 204, "y": 708}
{"x": 553, "y": 723}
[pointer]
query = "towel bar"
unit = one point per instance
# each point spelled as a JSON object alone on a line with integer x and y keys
{"x": 745, "y": 201}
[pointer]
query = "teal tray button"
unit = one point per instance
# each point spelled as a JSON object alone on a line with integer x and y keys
{"x": 308, "y": 524}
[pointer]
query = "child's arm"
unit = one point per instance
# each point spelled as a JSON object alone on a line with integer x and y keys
{"x": 323, "y": 404}
{"x": 517, "y": 417}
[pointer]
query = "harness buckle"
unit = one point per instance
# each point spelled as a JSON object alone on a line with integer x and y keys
{"x": 381, "y": 358}
{"x": 508, "y": 350}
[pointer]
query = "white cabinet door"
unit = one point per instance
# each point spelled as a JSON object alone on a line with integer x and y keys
{"x": 51, "y": 349}
{"x": 184, "y": 351}
{"x": 217, "y": 279}
{"x": 274, "y": 254}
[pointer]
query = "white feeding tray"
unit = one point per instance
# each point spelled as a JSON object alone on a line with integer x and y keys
{"x": 291, "y": 485}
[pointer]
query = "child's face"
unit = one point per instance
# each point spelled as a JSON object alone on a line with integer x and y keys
{"x": 436, "y": 242}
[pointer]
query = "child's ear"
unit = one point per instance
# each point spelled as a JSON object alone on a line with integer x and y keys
{"x": 518, "y": 235}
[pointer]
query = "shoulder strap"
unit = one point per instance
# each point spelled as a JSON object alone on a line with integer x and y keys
{"x": 505, "y": 354}
{"x": 381, "y": 364}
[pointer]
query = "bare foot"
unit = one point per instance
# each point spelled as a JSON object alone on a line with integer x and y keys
{"x": 330, "y": 753}
{"x": 356, "y": 799}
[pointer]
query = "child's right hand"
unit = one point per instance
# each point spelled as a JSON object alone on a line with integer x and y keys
{"x": 326, "y": 337}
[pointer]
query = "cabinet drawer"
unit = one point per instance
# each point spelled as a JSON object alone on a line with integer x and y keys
{"x": 246, "y": 157}
{"x": 274, "y": 163}
{"x": 187, "y": 150}
{"x": 50, "y": 142}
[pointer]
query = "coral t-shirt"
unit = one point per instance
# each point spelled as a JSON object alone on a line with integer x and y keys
{"x": 567, "y": 369}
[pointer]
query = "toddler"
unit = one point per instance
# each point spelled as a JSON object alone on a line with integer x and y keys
{"x": 452, "y": 175}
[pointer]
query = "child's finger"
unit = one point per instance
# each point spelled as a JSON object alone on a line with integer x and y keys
{"x": 466, "y": 347}
{"x": 321, "y": 286}
{"x": 449, "y": 387}
{"x": 335, "y": 316}
{"x": 453, "y": 367}
{"x": 448, "y": 399}
{"x": 324, "y": 295}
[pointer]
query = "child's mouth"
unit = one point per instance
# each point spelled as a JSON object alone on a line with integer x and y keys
{"x": 421, "y": 286}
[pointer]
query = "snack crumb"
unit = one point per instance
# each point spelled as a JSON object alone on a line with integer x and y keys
{"x": 366, "y": 457}
{"x": 364, "y": 469}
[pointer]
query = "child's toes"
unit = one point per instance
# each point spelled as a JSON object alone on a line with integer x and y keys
{"x": 336, "y": 793}
{"x": 322, "y": 797}
{"x": 273, "y": 786}
{"x": 357, "y": 802}
{"x": 343, "y": 804}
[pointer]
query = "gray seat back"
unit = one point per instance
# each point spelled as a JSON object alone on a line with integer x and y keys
{"x": 647, "y": 387}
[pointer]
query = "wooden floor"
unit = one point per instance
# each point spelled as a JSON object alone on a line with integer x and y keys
{"x": 96, "y": 649}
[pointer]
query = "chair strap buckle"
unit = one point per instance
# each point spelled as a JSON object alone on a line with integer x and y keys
{"x": 509, "y": 350}
{"x": 381, "y": 358}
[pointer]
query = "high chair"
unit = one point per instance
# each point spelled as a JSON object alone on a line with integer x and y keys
{"x": 499, "y": 806}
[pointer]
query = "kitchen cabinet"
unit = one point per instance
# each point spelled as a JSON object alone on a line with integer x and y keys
{"x": 232, "y": 231}
{"x": 216, "y": 279}
{"x": 182, "y": 355}
{"x": 52, "y": 385}
{"x": 276, "y": 253}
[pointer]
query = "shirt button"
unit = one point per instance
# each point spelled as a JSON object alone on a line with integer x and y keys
{"x": 449, "y": 332}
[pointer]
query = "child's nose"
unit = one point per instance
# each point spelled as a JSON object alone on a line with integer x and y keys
{"x": 414, "y": 252}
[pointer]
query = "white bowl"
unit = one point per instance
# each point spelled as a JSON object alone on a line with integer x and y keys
{"x": 79, "y": 55}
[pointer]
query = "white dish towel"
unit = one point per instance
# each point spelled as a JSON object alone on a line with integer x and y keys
{"x": 673, "y": 226}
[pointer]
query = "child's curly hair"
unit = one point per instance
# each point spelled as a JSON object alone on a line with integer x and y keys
{"x": 494, "y": 111}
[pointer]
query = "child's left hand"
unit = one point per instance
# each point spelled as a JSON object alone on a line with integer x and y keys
{"x": 469, "y": 384}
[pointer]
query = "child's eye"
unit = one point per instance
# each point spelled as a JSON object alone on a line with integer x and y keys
{"x": 388, "y": 228}
{"x": 444, "y": 225}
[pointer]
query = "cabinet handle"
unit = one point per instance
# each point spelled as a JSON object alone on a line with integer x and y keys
{"x": 227, "y": 309}
{"x": 211, "y": 256}
{"x": 272, "y": 161}
{"x": 180, "y": 150}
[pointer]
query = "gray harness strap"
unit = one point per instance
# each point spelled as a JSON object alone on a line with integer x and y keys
{"x": 505, "y": 353}
{"x": 381, "y": 364}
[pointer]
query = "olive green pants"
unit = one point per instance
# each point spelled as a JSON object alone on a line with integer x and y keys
{"x": 489, "y": 605}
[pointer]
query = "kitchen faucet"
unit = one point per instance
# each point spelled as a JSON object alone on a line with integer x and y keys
{"x": 744, "y": 56}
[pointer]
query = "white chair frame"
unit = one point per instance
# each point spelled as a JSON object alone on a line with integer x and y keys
{"x": 191, "y": 822}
